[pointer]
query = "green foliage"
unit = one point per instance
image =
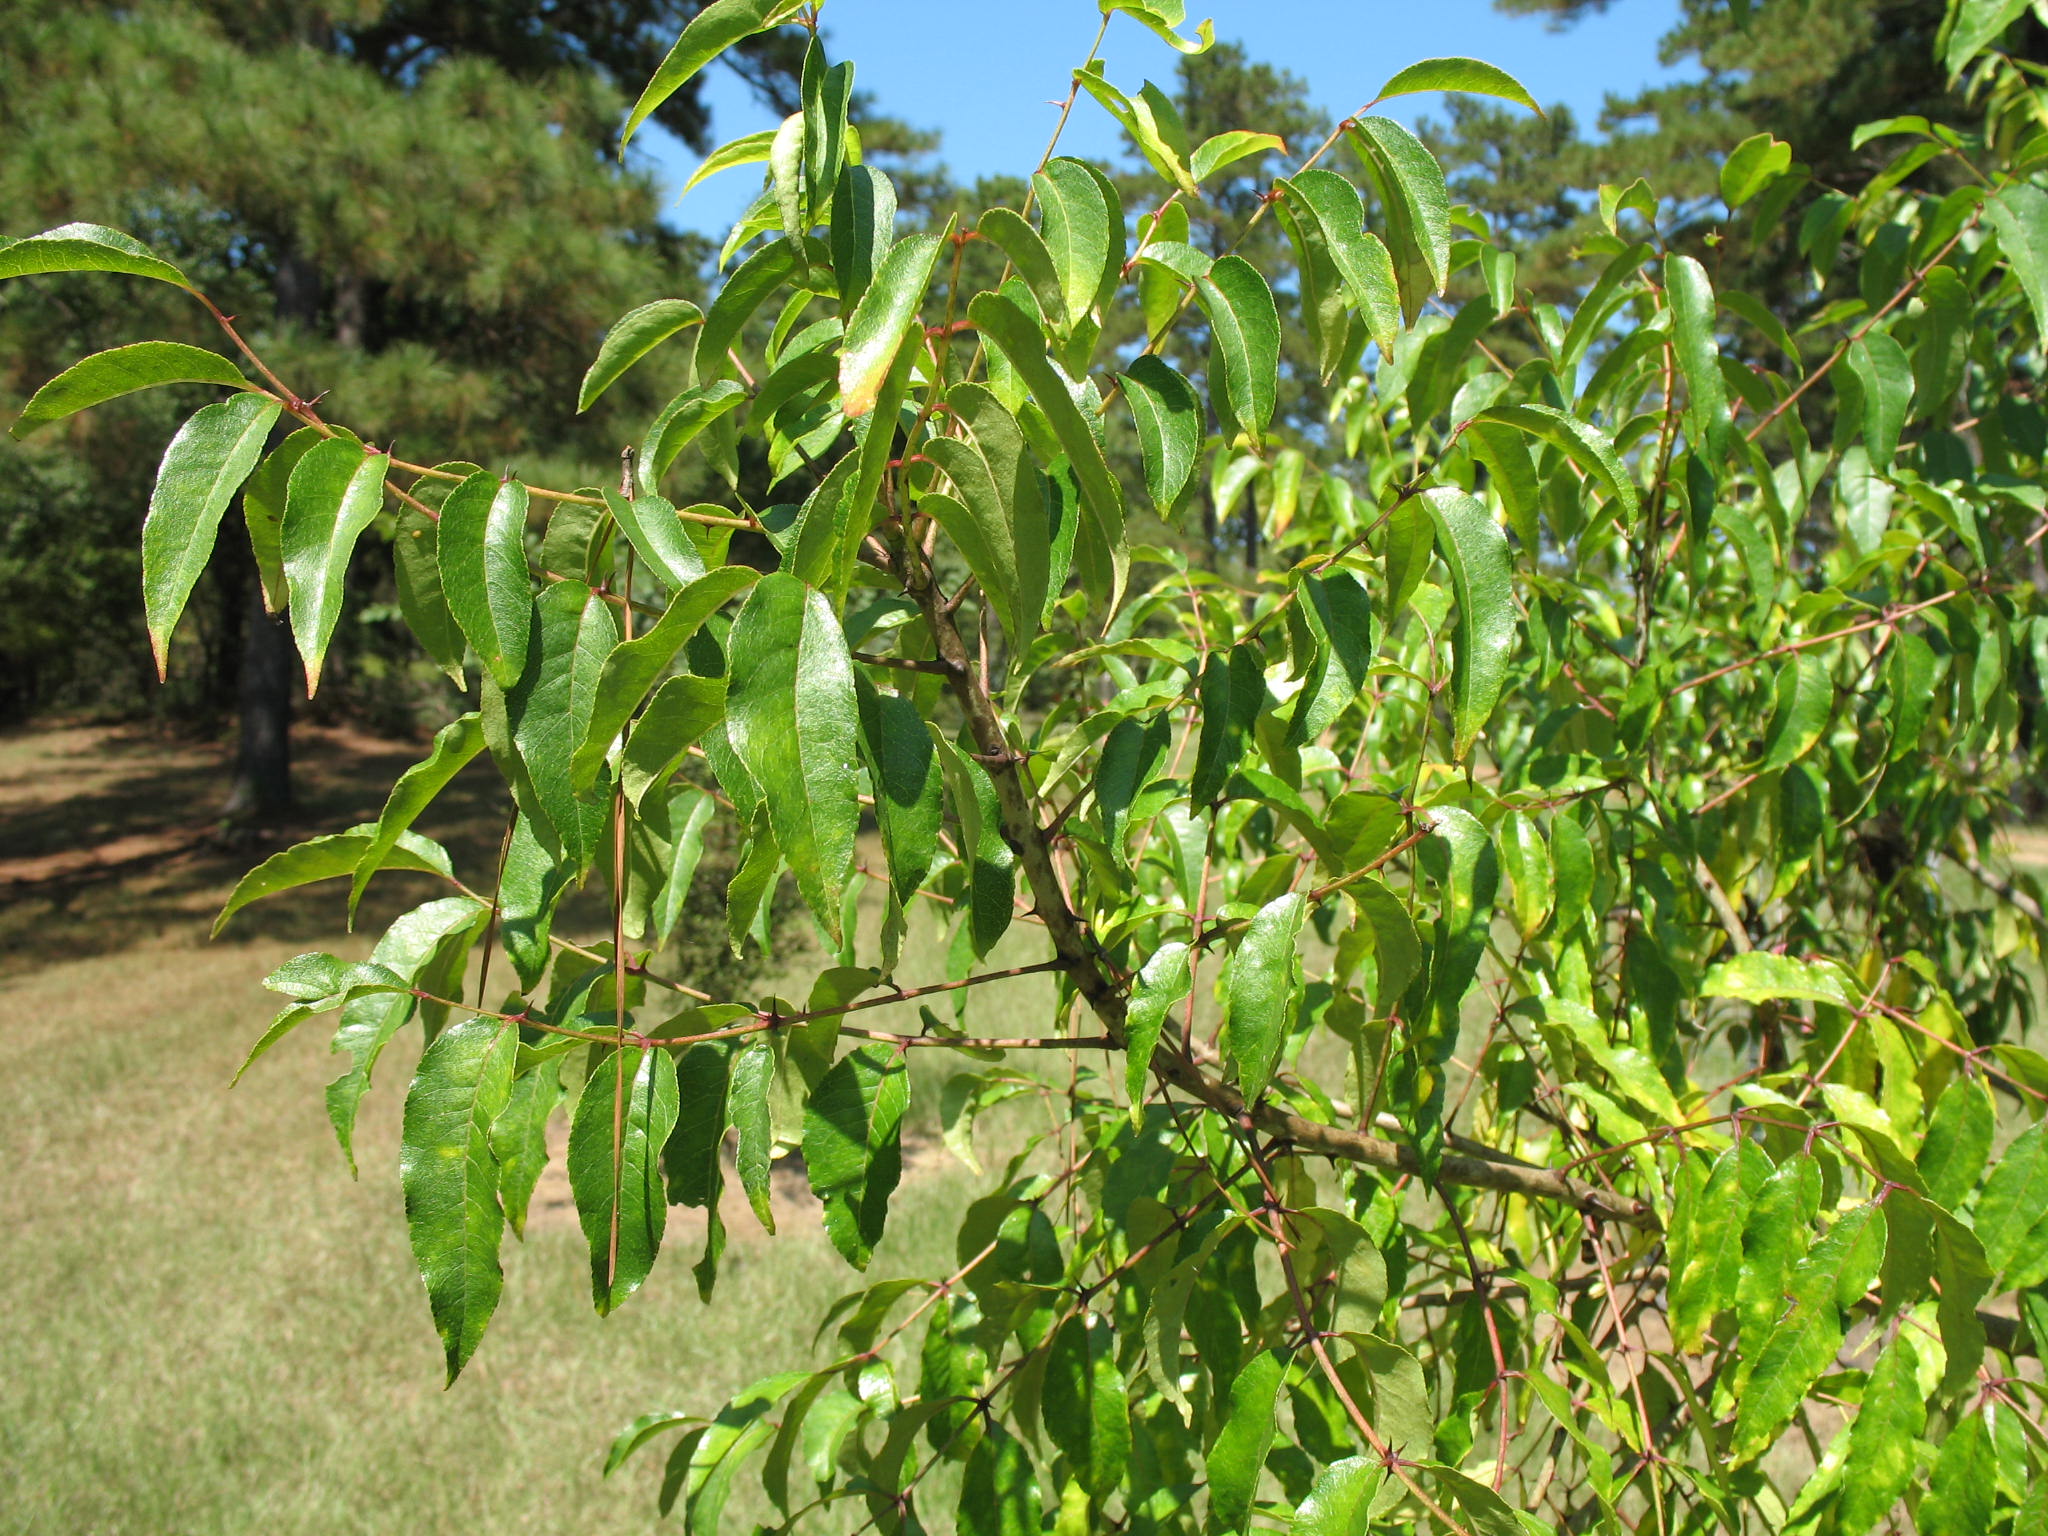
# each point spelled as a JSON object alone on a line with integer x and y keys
{"x": 1422, "y": 1199}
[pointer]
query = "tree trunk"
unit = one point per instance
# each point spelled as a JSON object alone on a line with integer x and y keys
{"x": 262, "y": 786}
{"x": 261, "y": 789}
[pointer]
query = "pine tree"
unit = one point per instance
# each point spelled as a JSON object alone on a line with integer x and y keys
{"x": 417, "y": 209}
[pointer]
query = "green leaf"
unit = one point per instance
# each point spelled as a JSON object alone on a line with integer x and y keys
{"x": 710, "y": 32}
{"x": 263, "y": 497}
{"x": 1244, "y": 332}
{"x": 763, "y": 273}
{"x": 992, "y": 862}
{"x": 205, "y": 463}
{"x": 1476, "y": 551}
{"x": 632, "y": 337}
{"x": 1085, "y": 1409}
{"x": 680, "y": 424}
{"x": 692, "y": 1157}
{"x": 519, "y": 1139}
{"x": 416, "y": 569}
{"x": 328, "y": 858}
{"x": 998, "y": 519}
{"x": 578, "y": 542}
{"x": 1804, "y": 702}
{"x": 319, "y": 983}
{"x": 122, "y": 371}
{"x": 1324, "y": 303}
{"x": 1526, "y": 858}
{"x": 1222, "y": 149}
{"x": 2020, "y": 215}
{"x": 623, "y": 1117}
{"x": 1239, "y": 1454}
{"x": 1260, "y": 1006}
{"x": 1133, "y": 754}
{"x": 1416, "y": 205}
{"x": 827, "y": 94}
{"x": 656, "y": 534}
{"x": 753, "y": 1073}
{"x": 1081, "y": 230}
{"x": 1472, "y": 75}
{"x": 746, "y": 895}
{"x": 84, "y": 248}
{"x": 1958, "y": 1141}
{"x": 1975, "y": 25}
{"x": 785, "y": 176}
{"x": 1964, "y": 1484}
{"x": 1879, "y": 1467}
{"x": 1488, "y": 1512}
{"x": 1338, "y": 615}
{"x": 335, "y": 492}
{"x": 702, "y": 1469}
{"x": 548, "y": 712}
{"x": 1231, "y": 692}
{"x": 1864, "y": 494}
{"x": 1758, "y": 977}
{"x": 1803, "y": 1341}
{"x": 1885, "y": 376}
{"x": 1749, "y": 309}
{"x": 451, "y": 1179}
{"x": 1706, "y": 1238}
{"x": 637, "y": 665}
{"x": 1340, "y": 1502}
{"x": 1586, "y": 446}
{"x": 1176, "y": 257}
{"x": 2031, "y": 1518}
{"x": 481, "y": 552}
{"x": 1019, "y": 339}
{"x": 904, "y": 768}
{"x": 1160, "y": 17}
{"x": 747, "y": 149}
{"x": 1753, "y": 165}
{"x": 2012, "y": 1211}
{"x": 1026, "y": 249}
{"x": 682, "y": 709}
{"x": 642, "y": 1430}
{"x": 1162, "y": 985}
{"x": 1396, "y": 944}
{"x": 677, "y": 819}
{"x": 1152, "y": 121}
{"x": 1021, "y": 493}
{"x": 368, "y": 1023}
{"x": 998, "y": 1494}
{"x": 1774, "y": 1236}
{"x": 1362, "y": 260}
{"x": 863, "y": 217}
{"x": 455, "y": 744}
{"x": 875, "y": 331}
{"x": 794, "y": 723}
{"x": 853, "y": 1129}
{"x": 529, "y": 888}
{"x": 1964, "y": 1275}
{"x": 1699, "y": 355}
{"x": 1168, "y": 414}
{"x": 961, "y": 1103}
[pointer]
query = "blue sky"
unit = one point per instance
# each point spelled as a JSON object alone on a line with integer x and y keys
{"x": 988, "y": 74}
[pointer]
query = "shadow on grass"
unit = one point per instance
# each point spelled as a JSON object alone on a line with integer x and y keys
{"x": 111, "y": 839}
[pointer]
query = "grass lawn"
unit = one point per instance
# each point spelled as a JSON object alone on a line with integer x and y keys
{"x": 206, "y": 1327}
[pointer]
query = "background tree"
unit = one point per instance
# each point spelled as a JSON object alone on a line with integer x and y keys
{"x": 418, "y": 208}
{"x": 1808, "y": 72}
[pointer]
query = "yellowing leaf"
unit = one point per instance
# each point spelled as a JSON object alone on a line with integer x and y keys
{"x": 875, "y": 332}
